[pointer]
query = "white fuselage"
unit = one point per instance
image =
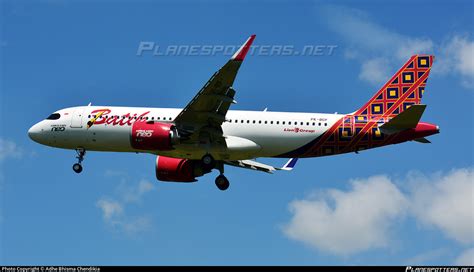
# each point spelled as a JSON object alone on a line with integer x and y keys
{"x": 248, "y": 134}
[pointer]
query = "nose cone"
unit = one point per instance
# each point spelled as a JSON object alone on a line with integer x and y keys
{"x": 35, "y": 133}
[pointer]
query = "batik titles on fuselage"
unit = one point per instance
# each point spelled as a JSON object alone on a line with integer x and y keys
{"x": 105, "y": 116}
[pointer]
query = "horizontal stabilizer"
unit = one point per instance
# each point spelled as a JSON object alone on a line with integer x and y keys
{"x": 422, "y": 140}
{"x": 406, "y": 120}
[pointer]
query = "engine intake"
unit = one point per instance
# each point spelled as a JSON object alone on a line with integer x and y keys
{"x": 153, "y": 136}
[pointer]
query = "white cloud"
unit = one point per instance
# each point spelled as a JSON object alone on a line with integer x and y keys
{"x": 375, "y": 71}
{"x": 350, "y": 222}
{"x": 466, "y": 258}
{"x": 110, "y": 208}
{"x": 411, "y": 46}
{"x": 357, "y": 28}
{"x": 368, "y": 37}
{"x": 457, "y": 56}
{"x": 114, "y": 209}
{"x": 358, "y": 220}
{"x": 446, "y": 202}
{"x": 136, "y": 224}
{"x": 9, "y": 149}
{"x": 368, "y": 40}
{"x": 135, "y": 194}
{"x": 114, "y": 216}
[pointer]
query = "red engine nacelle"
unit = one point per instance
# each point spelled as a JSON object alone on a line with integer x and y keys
{"x": 153, "y": 136}
{"x": 179, "y": 170}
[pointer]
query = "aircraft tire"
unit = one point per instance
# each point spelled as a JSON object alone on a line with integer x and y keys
{"x": 222, "y": 182}
{"x": 77, "y": 168}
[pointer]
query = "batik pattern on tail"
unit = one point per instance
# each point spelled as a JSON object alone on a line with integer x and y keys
{"x": 359, "y": 130}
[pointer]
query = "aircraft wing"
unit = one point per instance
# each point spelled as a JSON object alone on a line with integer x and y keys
{"x": 207, "y": 110}
{"x": 253, "y": 165}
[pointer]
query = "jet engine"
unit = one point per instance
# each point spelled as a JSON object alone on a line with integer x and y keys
{"x": 153, "y": 136}
{"x": 178, "y": 170}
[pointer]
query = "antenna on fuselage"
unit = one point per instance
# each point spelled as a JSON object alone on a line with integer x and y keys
{"x": 90, "y": 103}
{"x": 265, "y": 110}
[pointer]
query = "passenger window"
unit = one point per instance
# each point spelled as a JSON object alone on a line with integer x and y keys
{"x": 289, "y": 123}
{"x": 248, "y": 121}
{"x": 278, "y": 122}
{"x": 265, "y": 122}
{"x": 301, "y": 123}
{"x": 325, "y": 124}
{"x": 271, "y": 122}
{"x": 314, "y": 124}
{"x": 242, "y": 121}
{"x": 283, "y": 122}
{"x": 254, "y": 121}
{"x": 260, "y": 121}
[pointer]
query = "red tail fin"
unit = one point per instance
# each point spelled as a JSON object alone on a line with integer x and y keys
{"x": 404, "y": 89}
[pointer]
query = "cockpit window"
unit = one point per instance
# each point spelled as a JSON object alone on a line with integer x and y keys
{"x": 54, "y": 116}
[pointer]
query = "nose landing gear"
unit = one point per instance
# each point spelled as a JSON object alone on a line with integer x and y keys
{"x": 77, "y": 167}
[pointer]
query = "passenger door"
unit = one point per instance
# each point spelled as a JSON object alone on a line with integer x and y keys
{"x": 76, "y": 118}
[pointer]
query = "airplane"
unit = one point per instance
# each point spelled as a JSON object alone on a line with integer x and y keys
{"x": 206, "y": 135}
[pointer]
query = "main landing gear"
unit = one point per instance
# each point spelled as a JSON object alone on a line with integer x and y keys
{"x": 77, "y": 167}
{"x": 208, "y": 163}
{"x": 221, "y": 181}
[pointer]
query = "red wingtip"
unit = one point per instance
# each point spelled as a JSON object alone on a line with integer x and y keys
{"x": 240, "y": 54}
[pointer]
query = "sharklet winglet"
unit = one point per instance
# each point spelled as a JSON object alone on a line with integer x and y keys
{"x": 243, "y": 50}
{"x": 289, "y": 165}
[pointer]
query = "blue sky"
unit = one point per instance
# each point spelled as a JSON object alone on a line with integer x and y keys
{"x": 404, "y": 204}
